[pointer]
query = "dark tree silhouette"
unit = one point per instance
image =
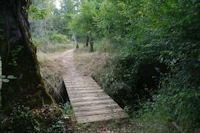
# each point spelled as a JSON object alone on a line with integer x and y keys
{"x": 19, "y": 57}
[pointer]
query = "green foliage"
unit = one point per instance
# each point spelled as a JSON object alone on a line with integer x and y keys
{"x": 67, "y": 108}
{"x": 36, "y": 13}
{"x": 52, "y": 48}
{"x": 83, "y": 22}
{"x": 14, "y": 54}
{"x": 159, "y": 51}
{"x": 22, "y": 119}
{"x": 6, "y": 79}
{"x": 157, "y": 70}
{"x": 173, "y": 109}
{"x": 48, "y": 21}
{"x": 58, "y": 38}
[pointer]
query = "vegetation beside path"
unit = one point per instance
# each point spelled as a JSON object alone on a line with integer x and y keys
{"x": 145, "y": 54}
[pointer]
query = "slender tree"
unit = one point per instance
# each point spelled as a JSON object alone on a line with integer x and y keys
{"x": 41, "y": 29}
{"x": 91, "y": 42}
{"x": 75, "y": 40}
{"x": 87, "y": 41}
{"x": 19, "y": 57}
{"x": 66, "y": 4}
{"x": 89, "y": 37}
{"x": 44, "y": 22}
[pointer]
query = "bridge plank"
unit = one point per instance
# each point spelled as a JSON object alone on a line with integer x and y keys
{"x": 90, "y": 103}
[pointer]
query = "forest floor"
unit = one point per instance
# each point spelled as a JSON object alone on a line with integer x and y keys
{"x": 86, "y": 63}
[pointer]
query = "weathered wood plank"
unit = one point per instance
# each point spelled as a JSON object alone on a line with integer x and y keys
{"x": 101, "y": 117}
{"x": 104, "y": 101}
{"x": 82, "y": 86}
{"x": 88, "y": 98}
{"x": 79, "y": 95}
{"x": 98, "y": 112}
{"x": 96, "y": 107}
{"x": 85, "y": 91}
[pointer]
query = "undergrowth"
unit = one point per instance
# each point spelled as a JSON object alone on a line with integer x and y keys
{"x": 148, "y": 86}
{"x": 54, "y": 84}
{"x": 47, "y": 119}
{"x": 46, "y": 47}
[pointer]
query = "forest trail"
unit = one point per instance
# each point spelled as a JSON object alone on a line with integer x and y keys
{"x": 90, "y": 103}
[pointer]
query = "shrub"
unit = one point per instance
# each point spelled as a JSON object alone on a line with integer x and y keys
{"x": 22, "y": 119}
{"x": 159, "y": 80}
{"x": 58, "y": 38}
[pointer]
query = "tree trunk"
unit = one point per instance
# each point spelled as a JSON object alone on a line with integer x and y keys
{"x": 19, "y": 58}
{"x": 41, "y": 29}
{"x": 45, "y": 28}
{"x": 66, "y": 8}
{"x": 91, "y": 42}
{"x": 87, "y": 41}
{"x": 44, "y": 23}
{"x": 75, "y": 40}
{"x": 37, "y": 25}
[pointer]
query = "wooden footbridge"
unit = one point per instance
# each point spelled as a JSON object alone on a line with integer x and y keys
{"x": 90, "y": 103}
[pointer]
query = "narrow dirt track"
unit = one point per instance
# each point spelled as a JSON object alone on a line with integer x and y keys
{"x": 58, "y": 62}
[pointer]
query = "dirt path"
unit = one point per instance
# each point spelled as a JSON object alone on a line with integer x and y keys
{"x": 59, "y": 62}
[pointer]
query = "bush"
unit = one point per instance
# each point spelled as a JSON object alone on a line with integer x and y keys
{"x": 159, "y": 63}
{"x": 159, "y": 80}
{"x": 22, "y": 119}
{"x": 58, "y": 38}
{"x": 173, "y": 108}
{"x": 130, "y": 78}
